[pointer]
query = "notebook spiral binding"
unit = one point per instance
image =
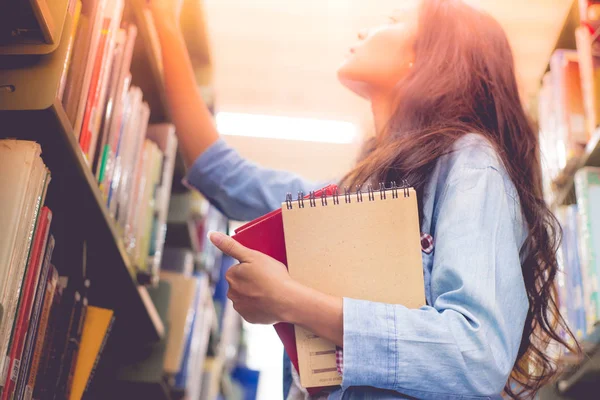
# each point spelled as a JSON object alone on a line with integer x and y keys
{"x": 395, "y": 190}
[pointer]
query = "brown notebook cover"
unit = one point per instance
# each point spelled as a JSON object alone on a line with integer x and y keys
{"x": 367, "y": 249}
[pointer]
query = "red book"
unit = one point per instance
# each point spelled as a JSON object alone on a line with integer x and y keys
{"x": 94, "y": 92}
{"x": 265, "y": 234}
{"x": 30, "y": 284}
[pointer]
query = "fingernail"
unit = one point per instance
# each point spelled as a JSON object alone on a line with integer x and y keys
{"x": 215, "y": 237}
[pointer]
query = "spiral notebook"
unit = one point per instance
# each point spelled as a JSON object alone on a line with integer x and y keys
{"x": 362, "y": 245}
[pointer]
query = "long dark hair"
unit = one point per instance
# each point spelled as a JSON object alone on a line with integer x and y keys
{"x": 463, "y": 81}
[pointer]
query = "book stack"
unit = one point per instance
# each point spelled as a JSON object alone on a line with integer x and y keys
{"x": 579, "y": 255}
{"x": 132, "y": 161}
{"x": 563, "y": 130}
{"x": 42, "y": 317}
{"x": 573, "y": 302}
{"x": 569, "y": 107}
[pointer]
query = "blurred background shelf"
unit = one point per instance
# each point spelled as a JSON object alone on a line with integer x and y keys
{"x": 591, "y": 158}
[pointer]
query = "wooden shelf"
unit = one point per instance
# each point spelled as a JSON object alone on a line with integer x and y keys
{"x": 58, "y": 12}
{"x": 591, "y": 158}
{"x": 32, "y": 112}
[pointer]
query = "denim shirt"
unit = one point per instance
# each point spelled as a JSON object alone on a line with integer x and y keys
{"x": 464, "y": 342}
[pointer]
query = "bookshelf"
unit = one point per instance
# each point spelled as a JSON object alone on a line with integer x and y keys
{"x": 591, "y": 158}
{"x": 565, "y": 194}
{"x": 58, "y": 14}
{"x": 30, "y": 110}
{"x": 578, "y": 378}
{"x": 89, "y": 241}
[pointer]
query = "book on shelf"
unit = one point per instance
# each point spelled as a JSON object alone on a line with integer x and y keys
{"x": 96, "y": 329}
{"x": 42, "y": 317}
{"x": 68, "y": 336}
{"x": 37, "y": 266}
{"x": 75, "y": 10}
{"x": 587, "y": 187}
{"x": 181, "y": 309}
{"x": 570, "y": 283}
{"x": 81, "y": 67}
{"x": 568, "y": 102}
{"x": 95, "y": 101}
{"x": 589, "y": 68}
{"x": 189, "y": 377}
{"x": 119, "y": 87}
{"x": 132, "y": 163}
{"x": 44, "y": 282}
{"x": 42, "y": 382}
{"x": 552, "y": 150}
{"x": 164, "y": 137}
{"x": 24, "y": 179}
{"x": 141, "y": 215}
{"x": 178, "y": 259}
{"x": 40, "y": 342}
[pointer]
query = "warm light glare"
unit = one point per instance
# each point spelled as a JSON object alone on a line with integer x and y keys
{"x": 274, "y": 127}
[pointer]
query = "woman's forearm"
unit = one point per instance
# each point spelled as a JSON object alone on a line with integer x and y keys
{"x": 193, "y": 121}
{"x": 320, "y": 313}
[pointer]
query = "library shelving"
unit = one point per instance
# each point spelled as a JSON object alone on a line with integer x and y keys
{"x": 590, "y": 158}
{"x": 83, "y": 226}
{"x": 30, "y": 110}
{"x": 568, "y": 117}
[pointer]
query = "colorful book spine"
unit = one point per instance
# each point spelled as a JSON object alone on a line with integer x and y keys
{"x": 587, "y": 187}
{"x": 44, "y": 382}
{"x": 75, "y": 11}
{"x": 94, "y": 90}
{"x": 73, "y": 311}
{"x": 102, "y": 346}
{"x": 40, "y": 295}
{"x": 26, "y": 303}
{"x": 41, "y": 336}
{"x": 570, "y": 280}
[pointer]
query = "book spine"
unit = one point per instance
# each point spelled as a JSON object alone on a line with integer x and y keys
{"x": 40, "y": 295}
{"x": 101, "y": 105}
{"x": 42, "y": 382}
{"x": 92, "y": 51}
{"x": 24, "y": 313}
{"x": 590, "y": 286}
{"x": 97, "y": 360}
{"x": 40, "y": 340}
{"x": 74, "y": 343}
{"x": 13, "y": 304}
{"x": 114, "y": 128}
{"x": 94, "y": 90}
{"x": 75, "y": 11}
{"x": 64, "y": 357}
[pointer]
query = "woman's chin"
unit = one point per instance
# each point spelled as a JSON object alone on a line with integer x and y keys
{"x": 357, "y": 86}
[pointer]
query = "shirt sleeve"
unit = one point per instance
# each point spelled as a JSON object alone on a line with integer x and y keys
{"x": 239, "y": 188}
{"x": 466, "y": 342}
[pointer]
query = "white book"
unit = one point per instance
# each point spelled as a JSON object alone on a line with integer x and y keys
{"x": 89, "y": 67}
{"x": 115, "y": 12}
{"x": 23, "y": 179}
{"x": 120, "y": 177}
{"x": 164, "y": 136}
{"x": 179, "y": 318}
{"x": 82, "y": 65}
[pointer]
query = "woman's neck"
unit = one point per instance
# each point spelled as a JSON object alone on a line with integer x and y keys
{"x": 382, "y": 108}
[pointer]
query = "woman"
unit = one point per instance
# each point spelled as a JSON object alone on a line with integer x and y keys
{"x": 448, "y": 118}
